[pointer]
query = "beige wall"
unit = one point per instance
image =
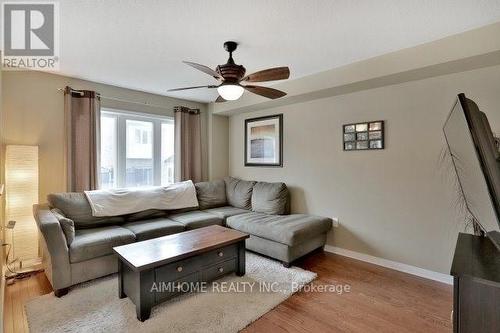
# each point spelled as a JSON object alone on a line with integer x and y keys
{"x": 33, "y": 115}
{"x": 218, "y": 152}
{"x": 395, "y": 203}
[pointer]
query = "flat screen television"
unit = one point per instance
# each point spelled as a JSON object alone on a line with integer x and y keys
{"x": 476, "y": 161}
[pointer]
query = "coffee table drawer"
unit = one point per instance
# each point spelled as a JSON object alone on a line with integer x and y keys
{"x": 177, "y": 270}
{"x": 213, "y": 272}
{"x": 220, "y": 255}
{"x": 168, "y": 289}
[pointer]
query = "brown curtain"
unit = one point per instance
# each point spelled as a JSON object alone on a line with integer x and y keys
{"x": 82, "y": 109}
{"x": 187, "y": 144}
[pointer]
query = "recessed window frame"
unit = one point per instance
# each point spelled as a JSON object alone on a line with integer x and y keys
{"x": 121, "y": 117}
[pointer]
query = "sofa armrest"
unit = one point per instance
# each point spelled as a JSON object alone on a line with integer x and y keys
{"x": 56, "y": 251}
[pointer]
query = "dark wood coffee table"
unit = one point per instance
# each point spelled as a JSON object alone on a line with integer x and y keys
{"x": 199, "y": 255}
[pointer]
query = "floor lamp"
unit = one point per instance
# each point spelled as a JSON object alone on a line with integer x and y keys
{"x": 21, "y": 193}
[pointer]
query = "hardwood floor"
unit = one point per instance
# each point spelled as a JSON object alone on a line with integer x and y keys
{"x": 380, "y": 300}
{"x": 17, "y": 295}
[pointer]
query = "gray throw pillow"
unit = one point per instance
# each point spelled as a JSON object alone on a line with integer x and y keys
{"x": 67, "y": 225}
{"x": 270, "y": 198}
{"x": 239, "y": 192}
{"x": 211, "y": 194}
{"x": 76, "y": 207}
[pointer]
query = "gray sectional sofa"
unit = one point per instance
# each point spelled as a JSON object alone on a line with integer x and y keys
{"x": 77, "y": 246}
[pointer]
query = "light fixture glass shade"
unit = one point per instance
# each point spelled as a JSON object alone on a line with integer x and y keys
{"x": 21, "y": 191}
{"x": 230, "y": 92}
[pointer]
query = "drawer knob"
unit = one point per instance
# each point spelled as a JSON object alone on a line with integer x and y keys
{"x": 221, "y": 254}
{"x": 179, "y": 269}
{"x": 221, "y": 269}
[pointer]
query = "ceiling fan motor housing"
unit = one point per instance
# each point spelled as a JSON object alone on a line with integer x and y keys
{"x": 231, "y": 73}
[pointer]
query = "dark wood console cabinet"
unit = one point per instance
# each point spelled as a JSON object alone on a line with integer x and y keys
{"x": 476, "y": 285}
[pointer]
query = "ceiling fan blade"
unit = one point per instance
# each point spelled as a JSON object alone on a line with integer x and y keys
{"x": 220, "y": 100}
{"x": 204, "y": 69}
{"x": 271, "y": 74}
{"x": 265, "y": 91}
{"x": 187, "y": 88}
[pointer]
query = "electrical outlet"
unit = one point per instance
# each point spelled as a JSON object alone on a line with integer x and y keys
{"x": 335, "y": 222}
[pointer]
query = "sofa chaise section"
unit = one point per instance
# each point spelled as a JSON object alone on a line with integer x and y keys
{"x": 283, "y": 237}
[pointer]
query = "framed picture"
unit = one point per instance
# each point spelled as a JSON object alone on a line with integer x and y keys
{"x": 364, "y": 136}
{"x": 264, "y": 141}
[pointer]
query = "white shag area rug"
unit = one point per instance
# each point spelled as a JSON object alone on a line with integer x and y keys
{"x": 95, "y": 306}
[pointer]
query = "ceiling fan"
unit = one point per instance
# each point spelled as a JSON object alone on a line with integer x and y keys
{"x": 231, "y": 76}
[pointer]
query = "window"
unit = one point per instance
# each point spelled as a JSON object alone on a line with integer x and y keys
{"x": 136, "y": 149}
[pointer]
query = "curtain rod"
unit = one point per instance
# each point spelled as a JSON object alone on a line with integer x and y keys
{"x": 120, "y": 99}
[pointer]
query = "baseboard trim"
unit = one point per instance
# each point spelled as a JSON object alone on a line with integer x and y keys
{"x": 431, "y": 275}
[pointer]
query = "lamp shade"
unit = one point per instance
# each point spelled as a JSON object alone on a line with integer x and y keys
{"x": 230, "y": 92}
{"x": 21, "y": 193}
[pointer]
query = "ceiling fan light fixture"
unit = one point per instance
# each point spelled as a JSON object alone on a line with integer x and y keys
{"x": 230, "y": 92}
{"x": 230, "y": 75}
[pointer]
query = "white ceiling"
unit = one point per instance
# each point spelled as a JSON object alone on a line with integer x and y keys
{"x": 140, "y": 44}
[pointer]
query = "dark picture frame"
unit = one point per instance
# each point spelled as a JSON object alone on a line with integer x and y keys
{"x": 368, "y": 135}
{"x": 265, "y": 147}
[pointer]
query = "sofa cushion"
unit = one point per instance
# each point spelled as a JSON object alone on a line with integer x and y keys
{"x": 269, "y": 198}
{"x": 145, "y": 215}
{"x": 226, "y": 211}
{"x": 180, "y": 210}
{"x": 239, "y": 192}
{"x": 152, "y": 228}
{"x": 76, "y": 207}
{"x": 286, "y": 229}
{"x": 211, "y": 194}
{"x": 98, "y": 242}
{"x": 67, "y": 225}
{"x": 196, "y": 219}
